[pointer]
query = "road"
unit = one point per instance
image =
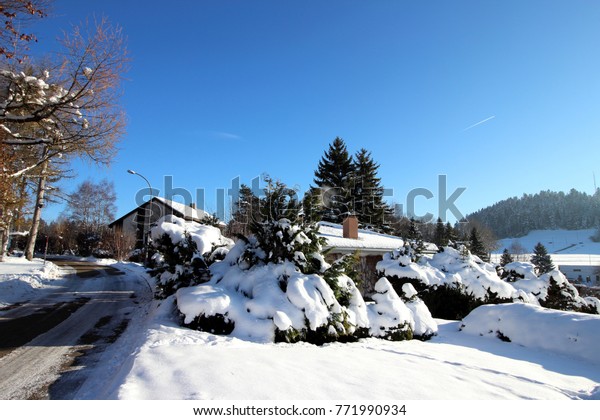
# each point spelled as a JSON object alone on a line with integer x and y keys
{"x": 49, "y": 347}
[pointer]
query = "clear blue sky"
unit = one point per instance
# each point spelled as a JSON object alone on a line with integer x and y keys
{"x": 226, "y": 88}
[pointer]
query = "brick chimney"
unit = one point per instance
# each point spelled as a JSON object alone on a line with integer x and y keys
{"x": 350, "y": 227}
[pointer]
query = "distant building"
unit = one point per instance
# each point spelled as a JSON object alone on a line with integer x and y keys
{"x": 370, "y": 246}
{"x": 137, "y": 222}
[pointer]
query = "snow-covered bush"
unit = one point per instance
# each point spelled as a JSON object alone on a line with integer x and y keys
{"x": 451, "y": 282}
{"x": 569, "y": 333}
{"x": 389, "y": 317}
{"x": 275, "y": 286}
{"x": 425, "y": 326}
{"x": 553, "y": 290}
{"x": 182, "y": 251}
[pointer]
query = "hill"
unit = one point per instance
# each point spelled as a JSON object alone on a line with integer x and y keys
{"x": 546, "y": 210}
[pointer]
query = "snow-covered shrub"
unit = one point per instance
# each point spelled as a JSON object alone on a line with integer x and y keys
{"x": 389, "y": 317}
{"x": 425, "y": 326}
{"x": 451, "y": 283}
{"x": 182, "y": 251}
{"x": 275, "y": 286}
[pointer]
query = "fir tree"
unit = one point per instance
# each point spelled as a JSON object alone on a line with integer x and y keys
{"x": 333, "y": 178}
{"x": 414, "y": 233}
{"x": 476, "y": 245}
{"x": 246, "y": 210}
{"x": 440, "y": 237}
{"x": 451, "y": 234}
{"x": 541, "y": 259}
{"x": 367, "y": 193}
{"x": 506, "y": 258}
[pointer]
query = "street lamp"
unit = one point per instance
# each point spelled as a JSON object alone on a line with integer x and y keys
{"x": 145, "y": 235}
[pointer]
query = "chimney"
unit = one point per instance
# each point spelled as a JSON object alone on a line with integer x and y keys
{"x": 350, "y": 227}
{"x": 193, "y": 205}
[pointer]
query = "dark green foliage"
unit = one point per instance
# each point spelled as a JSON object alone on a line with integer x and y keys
{"x": 345, "y": 265}
{"x": 506, "y": 258}
{"x": 541, "y": 259}
{"x": 332, "y": 177}
{"x": 214, "y": 324}
{"x": 516, "y": 217}
{"x": 414, "y": 233}
{"x": 451, "y": 233}
{"x": 400, "y": 333}
{"x": 87, "y": 242}
{"x": 502, "y": 337}
{"x": 367, "y": 193}
{"x": 178, "y": 266}
{"x": 440, "y": 236}
{"x": 560, "y": 296}
{"x": 476, "y": 245}
{"x": 211, "y": 220}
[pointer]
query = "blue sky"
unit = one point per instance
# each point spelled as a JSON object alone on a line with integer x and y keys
{"x": 236, "y": 88}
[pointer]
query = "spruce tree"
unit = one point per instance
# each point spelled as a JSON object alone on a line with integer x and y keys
{"x": 541, "y": 259}
{"x": 367, "y": 193}
{"x": 440, "y": 237}
{"x": 414, "y": 233}
{"x": 333, "y": 178}
{"x": 506, "y": 258}
{"x": 451, "y": 234}
{"x": 476, "y": 245}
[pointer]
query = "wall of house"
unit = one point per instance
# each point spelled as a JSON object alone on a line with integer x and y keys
{"x": 366, "y": 267}
{"x": 585, "y": 274}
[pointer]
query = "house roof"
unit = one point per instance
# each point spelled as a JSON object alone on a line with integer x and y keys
{"x": 368, "y": 241}
{"x": 180, "y": 209}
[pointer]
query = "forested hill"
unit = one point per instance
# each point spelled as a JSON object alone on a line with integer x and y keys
{"x": 515, "y": 217}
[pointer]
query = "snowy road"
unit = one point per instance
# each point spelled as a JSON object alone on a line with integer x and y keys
{"x": 49, "y": 347}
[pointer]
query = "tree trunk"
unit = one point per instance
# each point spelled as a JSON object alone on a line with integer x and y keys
{"x": 3, "y": 241}
{"x": 37, "y": 212}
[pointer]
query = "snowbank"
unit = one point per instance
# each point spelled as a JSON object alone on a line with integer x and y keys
{"x": 568, "y": 333}
{"x": 21, "y": 279}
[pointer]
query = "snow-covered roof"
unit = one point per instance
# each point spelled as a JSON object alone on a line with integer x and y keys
{"x": 368, "y": 241}
{"x": 188, "y": 212}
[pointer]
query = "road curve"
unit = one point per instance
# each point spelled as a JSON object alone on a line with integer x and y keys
{"x": 50, "y": 345}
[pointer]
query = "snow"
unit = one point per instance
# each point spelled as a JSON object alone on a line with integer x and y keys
{"x": 558, "y": 241}
{"x": 449, "y": 267}
{"x": 21, "y": 280}
{"x": 205, "y": 237}
{"x": 367, "y": 240}
{"x": 156, "y": 359}
{"x": 177, "y": 363}
{"x": 573, "y": 334}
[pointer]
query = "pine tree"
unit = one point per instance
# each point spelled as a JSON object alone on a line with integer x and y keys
{"x": 440, "y": 237}
{"x": 476, "y": 245}
{"x": 333, "y": 178}
{"x": 414, "y": 233}
{"x": 451, "y": 234}
{"x": 246, "y": 211}
{"x": 541, "y": 259}
{"x": 367, "y": 193}
{"x": 506, "y": 258}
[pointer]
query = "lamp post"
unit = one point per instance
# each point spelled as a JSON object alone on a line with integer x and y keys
{"x": 148, "y": 214}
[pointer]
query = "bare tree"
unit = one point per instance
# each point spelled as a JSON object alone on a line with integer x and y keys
{"x": 16, "y": 15}
{"x": 65, "y": 110}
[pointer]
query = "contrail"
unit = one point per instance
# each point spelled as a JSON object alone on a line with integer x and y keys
{"x": 480, "y": 122}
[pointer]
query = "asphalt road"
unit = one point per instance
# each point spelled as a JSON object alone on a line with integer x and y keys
{"x": 50, "y": 346}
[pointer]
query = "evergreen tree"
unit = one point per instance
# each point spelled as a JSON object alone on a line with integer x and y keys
{"x": 541, "y": 259}
{"x": 367, "y": 193}
{"x": 440, "y": 237}
{"x": 506, "y": 258}
{"x": 333, "y": 178}
{"x": 476, "y": 245}
{"x": 245, "y": 211}
{"x": 414, "y": 233}
{"x": 451, "y": 234}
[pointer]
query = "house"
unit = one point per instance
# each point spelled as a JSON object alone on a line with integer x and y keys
{"x": 137, "y": 222}
{"x": 370, "y": 246}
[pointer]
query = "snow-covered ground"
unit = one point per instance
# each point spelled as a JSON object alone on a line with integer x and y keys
{"x": 178, "y": 363}
{"x": 556, "y": 241}
{"x": 172, "y": 362}
{"x": 22, "y": 280}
